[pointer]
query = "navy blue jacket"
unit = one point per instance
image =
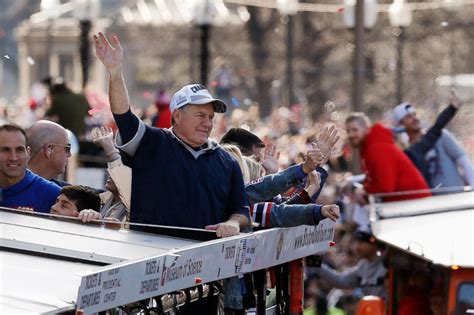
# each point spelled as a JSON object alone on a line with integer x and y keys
{"x": 417, "y": 151}
{"x": 287, "y": 214}
{"x": 174, "y": 185}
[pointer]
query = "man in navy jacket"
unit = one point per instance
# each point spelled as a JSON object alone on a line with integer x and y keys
{"x": 179, "y": 176}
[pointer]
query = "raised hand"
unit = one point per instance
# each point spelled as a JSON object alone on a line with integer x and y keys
{"x": 326, "y": 141}
{"x": 454, "y": 99}
{"x": 103, "y": 137}
{"x": 110, "y": 53}
{"x": 330, "y": 211}
{"x": 270, "y": 159}
{"x": 314, "y": 157}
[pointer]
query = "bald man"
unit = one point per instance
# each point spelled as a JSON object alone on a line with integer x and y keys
{"x": 50, "y": 150}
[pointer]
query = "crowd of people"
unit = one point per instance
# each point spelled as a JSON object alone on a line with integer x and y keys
{"x": 258, "y": 175}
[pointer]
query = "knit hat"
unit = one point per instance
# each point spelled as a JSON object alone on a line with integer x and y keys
{"x": 402, "y": 110}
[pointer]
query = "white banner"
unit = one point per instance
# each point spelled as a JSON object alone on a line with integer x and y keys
{"x": 132, "y": 281}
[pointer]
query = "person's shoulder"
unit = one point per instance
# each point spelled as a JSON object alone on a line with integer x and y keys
{"x": 60, "y": 183}
{"x": 219, "y": 150}
{"x": 159, "y": 131}
{"x": 165, "y": 131}
{"x": 445, "y": 133}
{"x": 44, "y": 184}
{"x": 156, "y": 136}
{"x": 226, "y": 160}
{"x": 224, "y": 154}
{"x": 448, "y": 138}
{"x": 382, "y": 150}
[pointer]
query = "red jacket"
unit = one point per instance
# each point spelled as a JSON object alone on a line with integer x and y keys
{"x": 388, "y": 169}
{"x": 164, "y": 116}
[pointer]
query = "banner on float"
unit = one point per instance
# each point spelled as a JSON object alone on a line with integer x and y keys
{"x": 128, "y": 282}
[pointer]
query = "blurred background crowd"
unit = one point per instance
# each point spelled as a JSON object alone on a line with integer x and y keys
{"x": 285, "y": 76}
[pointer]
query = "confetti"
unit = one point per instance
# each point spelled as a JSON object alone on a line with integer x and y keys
{"x": 30, "y": 60}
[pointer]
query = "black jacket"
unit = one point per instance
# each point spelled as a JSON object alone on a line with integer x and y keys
{"x": 417, "y": 151}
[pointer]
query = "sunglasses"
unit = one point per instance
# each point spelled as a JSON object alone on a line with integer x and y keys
{"x": 67, "y": 147}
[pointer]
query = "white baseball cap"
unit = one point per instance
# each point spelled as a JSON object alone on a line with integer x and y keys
{"x": 196, "y": 94}
{"x": 401, "y": 110}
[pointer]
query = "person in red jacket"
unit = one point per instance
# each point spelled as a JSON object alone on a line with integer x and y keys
{"x": 163, "y": 117}
{"x": 387, "y": 168}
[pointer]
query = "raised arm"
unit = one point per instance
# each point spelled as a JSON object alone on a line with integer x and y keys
{"x": 343, "y": 280}
{"x": 110, "y": 54}
{"x": 130, "y": 127}
{"x": 120, "y": 174}
{"x": 269, "y": 186}
{"x": 430, "y": 138}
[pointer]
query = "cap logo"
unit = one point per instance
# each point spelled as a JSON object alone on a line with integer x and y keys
{"x": 198, "y": 87}
{"x": 181, "y": 99}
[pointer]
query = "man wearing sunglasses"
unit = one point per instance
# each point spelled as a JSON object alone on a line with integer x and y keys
{"x": 50, "y": 150}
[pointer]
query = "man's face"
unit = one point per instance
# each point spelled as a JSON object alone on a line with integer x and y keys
{"x": 59, "y": 151}
{"x": 13, "y": 156}
{"x": 193, "y": 123}
{"x": 64, "y": 206}
{"x": 356, "y": 133}
{"x": 411, "y": 122}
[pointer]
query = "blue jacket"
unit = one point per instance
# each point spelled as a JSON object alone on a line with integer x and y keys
{"x": 32, "y": 191}
{"x": 176, "y": 185}
{"x": 271, "y": 214}
{"x": 267, "y": 187}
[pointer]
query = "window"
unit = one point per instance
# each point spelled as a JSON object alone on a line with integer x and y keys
{"x": 465, "y": 299}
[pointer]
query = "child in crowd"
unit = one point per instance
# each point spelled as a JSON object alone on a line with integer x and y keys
{"x": 77, "y": 201}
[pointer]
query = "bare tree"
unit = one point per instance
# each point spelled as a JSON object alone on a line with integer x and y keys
{"x": 314, "y": 48}
{"x": 259, "y": 28}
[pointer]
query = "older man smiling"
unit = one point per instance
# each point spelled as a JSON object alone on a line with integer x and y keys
{"x": 180, "y": 177}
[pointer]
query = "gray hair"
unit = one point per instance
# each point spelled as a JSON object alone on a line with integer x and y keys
{"x": 183, "y": 108}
